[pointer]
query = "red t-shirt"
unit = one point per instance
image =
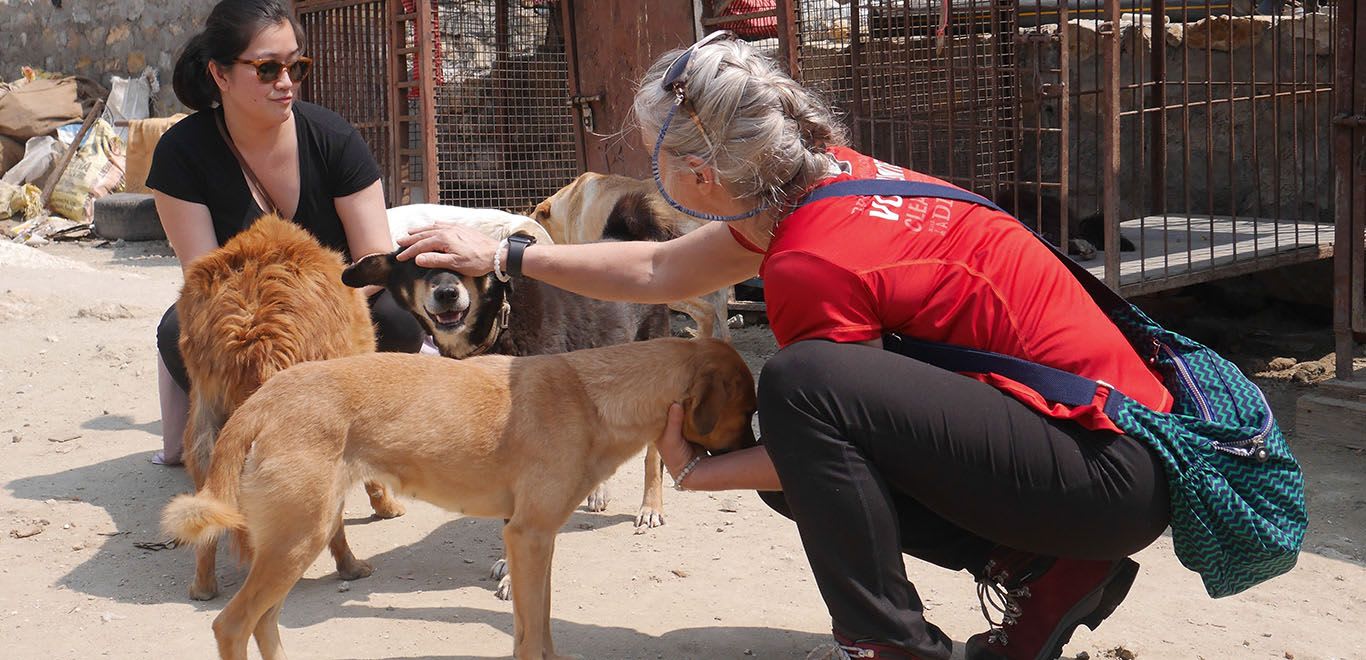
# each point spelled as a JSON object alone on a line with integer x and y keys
{"x": 849, "y": 269}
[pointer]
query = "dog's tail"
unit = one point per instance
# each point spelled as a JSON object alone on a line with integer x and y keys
{"x": 200, "y": 518}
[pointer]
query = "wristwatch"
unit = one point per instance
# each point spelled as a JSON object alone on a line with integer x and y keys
{"x": 517, "y": 244}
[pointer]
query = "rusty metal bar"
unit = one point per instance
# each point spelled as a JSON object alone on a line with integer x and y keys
{"x": 911, "y": 109}
{"x": 426, "y": 36}
{"x": 950, "y": 90}
{"x": 322, "y": 6}
{"x": 1350, "y": 98}
{"x": 499, "y": 77}
{"x": 787, "y": 36}
{"x": 856, "y": 71}
{"x": 722, "y": 20}
{"x": 1252, "y": 113}
{"x": 1111, "y": 144}
{"x": 571, "y": 57}
{"x": 1158, "y": 146}
{"x": 1357, "y": 231}
{"x": 1313, "y": 111}
{"x": 1209, "y": 148}
{"x": 1040, "y": 220}
{"x": 396, "y": 115}
{"x": 1232, "y": 160}
{"x": 1276, "y": 125}
{"x": 1065, "y": 121}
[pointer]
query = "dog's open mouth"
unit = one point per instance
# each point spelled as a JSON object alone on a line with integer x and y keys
{"x": 448, "y": 319}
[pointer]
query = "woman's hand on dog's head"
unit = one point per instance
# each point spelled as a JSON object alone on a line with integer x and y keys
{"x": 449, "y": 246}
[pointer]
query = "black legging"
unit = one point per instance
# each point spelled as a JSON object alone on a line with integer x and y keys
{"x": 396, "y": 331}
{"x": 879, "y": 454}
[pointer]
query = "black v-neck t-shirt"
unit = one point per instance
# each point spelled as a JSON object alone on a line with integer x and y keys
{"x": 194, "y": 164}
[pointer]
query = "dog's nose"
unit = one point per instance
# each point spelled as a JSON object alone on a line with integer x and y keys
{"x": 446, "y": 295}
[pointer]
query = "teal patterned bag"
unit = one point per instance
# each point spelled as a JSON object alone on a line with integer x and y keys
{"x": 1237, "y": 494}
{"x": 1238, "y": 514}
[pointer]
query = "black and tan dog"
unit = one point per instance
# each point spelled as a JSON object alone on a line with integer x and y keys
{"x": 518, "y": 438}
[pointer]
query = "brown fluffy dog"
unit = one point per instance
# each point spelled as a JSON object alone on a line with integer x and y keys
{"x": 519, "y": 438}
{"x": 597, "y": 206}
{"x": 270, "y": 298}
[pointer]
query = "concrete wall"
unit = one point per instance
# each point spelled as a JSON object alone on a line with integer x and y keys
{"x": 100, "y": 39}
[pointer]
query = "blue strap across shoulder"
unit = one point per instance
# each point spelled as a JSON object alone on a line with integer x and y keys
{"x": 1053, "y": 384}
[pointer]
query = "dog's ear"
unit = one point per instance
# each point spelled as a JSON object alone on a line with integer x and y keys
{"x": 706, "y": 399}
{"x": 541, "y": 211}
{"x": 373, "y": 269}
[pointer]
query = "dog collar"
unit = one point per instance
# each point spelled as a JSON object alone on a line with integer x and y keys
{"x": 504, "y": 313}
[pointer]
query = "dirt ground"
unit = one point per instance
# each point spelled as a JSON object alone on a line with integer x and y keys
{"x": 725, "y": 578}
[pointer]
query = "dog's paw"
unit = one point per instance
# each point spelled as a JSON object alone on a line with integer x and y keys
{"x": 204, "y": 592}
{"x": 504, "y": 590}
{"x": 355, "y": 570}
{"x": 648, "y": 519}
{"x": 499, "y": 570}
{"x": 597, "y": 500}
{"x": 388, "y": 508}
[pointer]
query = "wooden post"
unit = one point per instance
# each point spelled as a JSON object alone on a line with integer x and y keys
{"x": 56, "y": 174}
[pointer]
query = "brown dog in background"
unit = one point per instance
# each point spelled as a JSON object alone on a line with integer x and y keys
{"x": 597, "y": 206}
{"x": 268, "y": 299}
{"x": 519, "y": 438}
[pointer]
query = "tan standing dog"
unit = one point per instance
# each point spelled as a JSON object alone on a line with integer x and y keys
{"x": 596, "y": 206}
{"x": 270, "y": 298}
{"x": 520, "y": 438}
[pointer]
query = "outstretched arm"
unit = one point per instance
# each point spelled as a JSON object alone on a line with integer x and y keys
{"x": 635, "y": 271}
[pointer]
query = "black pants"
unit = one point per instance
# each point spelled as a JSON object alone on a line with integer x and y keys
{"x": 396, "y": 331}
{"x": 881, "y": 455}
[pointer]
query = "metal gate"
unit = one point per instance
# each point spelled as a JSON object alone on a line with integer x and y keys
{"x": 1164, "y": 142}
{"x": 350, "y": 44}
{"x": 504, "y": 134}
{"x": 1349, "y": 128}
{"x": 461, "y": 101}
{"x": 939, "y": 101}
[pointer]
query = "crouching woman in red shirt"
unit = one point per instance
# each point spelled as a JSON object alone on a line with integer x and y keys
{"x": 871, "y": 453}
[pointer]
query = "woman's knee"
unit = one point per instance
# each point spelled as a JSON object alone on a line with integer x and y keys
{"x": 794, "y": 369}
{"x": 168, "y": 346}
{"x": 168, "y": 331}
{"x": 799, "y": 408}
{"x": 776, "y": 501}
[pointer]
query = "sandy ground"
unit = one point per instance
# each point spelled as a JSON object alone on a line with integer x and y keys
{"x": 725, "y": 578}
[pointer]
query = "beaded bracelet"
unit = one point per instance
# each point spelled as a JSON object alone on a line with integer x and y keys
{"x": 687, "y": 469}
{"x": 497, "y": 266}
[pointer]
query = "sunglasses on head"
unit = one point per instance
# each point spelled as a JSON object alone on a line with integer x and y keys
{"x": 269, "y": 70}
{"x": 674, "y": 80}
{"x": 676, "y": 75}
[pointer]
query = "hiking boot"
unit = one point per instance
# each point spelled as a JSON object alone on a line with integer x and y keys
{"x": 843, "y": 649}
{"x": 1042, "y": 600}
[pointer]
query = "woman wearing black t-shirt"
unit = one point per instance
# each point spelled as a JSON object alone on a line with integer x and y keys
{"x": 241, "y": 74}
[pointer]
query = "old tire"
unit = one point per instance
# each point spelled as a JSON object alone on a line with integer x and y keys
{"x": 127, "y": 216}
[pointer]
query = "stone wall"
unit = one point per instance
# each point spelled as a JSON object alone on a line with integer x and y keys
{"x": 100, "y": 39}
